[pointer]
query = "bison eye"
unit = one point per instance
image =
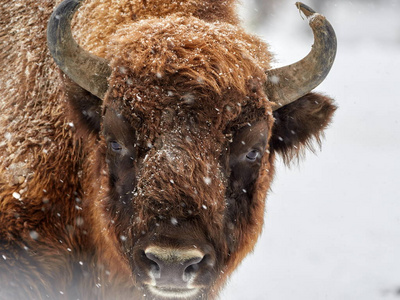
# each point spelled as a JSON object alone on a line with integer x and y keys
{"x": 253, "y": 155}
{"x": 115, "y": 146}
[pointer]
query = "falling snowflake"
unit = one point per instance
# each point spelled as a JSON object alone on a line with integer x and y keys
{"x": 174, "y": 221}
{"x": 34, "y": 235}
{"x": 207, "y": 180}
{"x": 16, "y": 195}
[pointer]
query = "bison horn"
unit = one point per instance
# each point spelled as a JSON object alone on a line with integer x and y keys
{"x": 87, "y": 70}
{"x": 289, "y": 83}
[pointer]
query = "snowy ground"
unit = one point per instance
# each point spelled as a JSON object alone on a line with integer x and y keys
{"x": 332, "y": 226}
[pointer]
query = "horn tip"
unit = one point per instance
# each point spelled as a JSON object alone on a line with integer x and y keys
{"x": 305, "y": 9}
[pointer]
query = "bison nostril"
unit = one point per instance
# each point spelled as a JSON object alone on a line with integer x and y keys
{"x": 153, "y": 263}
{"x": 192, "y": 266}
{"x": 192, "y": 269}
{"x": 199, "y": 269}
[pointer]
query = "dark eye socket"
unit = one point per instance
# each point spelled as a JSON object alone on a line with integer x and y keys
{"x": 253, "y": 155}
{"x": 115, "y": 146}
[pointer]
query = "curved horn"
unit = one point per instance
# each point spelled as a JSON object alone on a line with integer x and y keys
{"x": 87, "y": 70}
{"x": 289, "y": 83}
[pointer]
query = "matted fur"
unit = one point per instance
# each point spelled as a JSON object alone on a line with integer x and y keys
{"x": 173, "y": 66}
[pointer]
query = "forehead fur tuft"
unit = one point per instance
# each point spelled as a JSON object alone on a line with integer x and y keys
{"x": 186, "y": 62}
{"x": 216, "y": 54}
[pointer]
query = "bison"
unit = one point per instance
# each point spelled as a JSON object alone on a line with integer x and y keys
{"x": 138, "y": 144}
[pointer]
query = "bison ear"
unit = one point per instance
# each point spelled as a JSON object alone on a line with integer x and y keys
{"x": 85, "y": 109}
{"x": 299, "y": 124}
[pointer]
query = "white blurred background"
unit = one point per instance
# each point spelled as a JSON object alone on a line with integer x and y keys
{"x": 332, "y": 227}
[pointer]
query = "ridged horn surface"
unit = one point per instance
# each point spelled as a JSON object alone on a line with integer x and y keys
{"x": 289, "y": 83}
{"x": 87, "y": 70}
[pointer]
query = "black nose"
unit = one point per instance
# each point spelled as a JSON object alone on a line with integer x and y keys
{"x": 176, "y": 267}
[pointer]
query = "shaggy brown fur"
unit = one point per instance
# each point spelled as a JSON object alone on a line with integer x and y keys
{"x": 187, "y": 81}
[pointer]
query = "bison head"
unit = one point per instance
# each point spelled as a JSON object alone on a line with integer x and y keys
{"x": 186, "y": 117}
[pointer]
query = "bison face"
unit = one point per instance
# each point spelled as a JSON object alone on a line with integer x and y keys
{"x": 182, "y": 205}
